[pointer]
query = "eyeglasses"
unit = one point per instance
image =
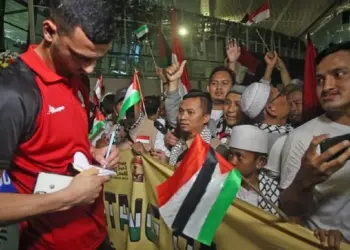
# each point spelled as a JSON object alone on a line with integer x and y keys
{"x": 278, "y": 96}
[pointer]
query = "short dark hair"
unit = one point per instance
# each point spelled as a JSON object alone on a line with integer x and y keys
{"x": 331, "y": 49}
{"x": 94, "y": 17}
{"x": 223, "y": 68}
{"x": 152, "y": 104}
{"x": 107, "y": 105}
{"x": 206, "y": 102}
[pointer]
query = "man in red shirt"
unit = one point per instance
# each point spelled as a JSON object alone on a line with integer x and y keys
{"x": 44, "y": 128}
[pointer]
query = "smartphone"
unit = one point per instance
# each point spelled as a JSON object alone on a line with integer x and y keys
{"x": 160, "y": 127}
{"x": 330, "y": 142}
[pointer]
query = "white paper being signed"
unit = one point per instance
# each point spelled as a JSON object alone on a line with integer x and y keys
{"x": 81, "y": 163}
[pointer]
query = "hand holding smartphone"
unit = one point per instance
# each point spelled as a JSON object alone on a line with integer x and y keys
{"x": 330, "y": 143}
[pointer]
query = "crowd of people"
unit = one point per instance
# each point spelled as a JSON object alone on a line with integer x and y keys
{"x": 257, "y": 127}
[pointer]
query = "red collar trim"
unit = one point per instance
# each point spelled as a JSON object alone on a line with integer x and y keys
{"x": 33, "y": 60}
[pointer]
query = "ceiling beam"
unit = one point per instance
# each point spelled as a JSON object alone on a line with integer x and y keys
{"x": 330, "y": 8}
{"x": 249, "y": 8}
{"x": 15, "y": 12}
{"x": 282, "y": 13}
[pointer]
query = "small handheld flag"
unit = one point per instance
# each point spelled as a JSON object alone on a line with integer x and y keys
{"x": 141, "y": 31}
{"x": 194, "y": 200}
{"x": 99, "y": 124}
{"x": 131, "y": 98}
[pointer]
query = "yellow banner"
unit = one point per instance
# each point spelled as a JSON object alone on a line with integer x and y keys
{"x": 134, "y": 222}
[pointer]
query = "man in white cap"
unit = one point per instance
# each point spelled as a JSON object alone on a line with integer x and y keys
{"x": 248, "y": 152}
{"x": 267, "y": 108}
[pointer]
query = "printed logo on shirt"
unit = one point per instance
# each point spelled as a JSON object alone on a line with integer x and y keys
{"x": 53, "y": 110}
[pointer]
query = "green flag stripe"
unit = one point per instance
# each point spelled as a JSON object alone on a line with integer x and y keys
{"x": 226, "y": 196}
{"x": 96, "y": 129}
{"x": 141, "y": 29}
{"x": 128, "y": 103}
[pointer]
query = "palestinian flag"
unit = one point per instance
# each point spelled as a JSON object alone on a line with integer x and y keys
{"x": 99, "y": 124}
{"x": 132, "y": 96}
{"x": 141, "y": 31}
{"x": 194, "y": 200}
{"x": 165, "y": 51}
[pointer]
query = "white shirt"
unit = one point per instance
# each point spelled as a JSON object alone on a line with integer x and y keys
{"x": 249, "y": 196}
{"x": 159, "y": 144}
{"x": 332, "y": 197}
{"x": 216, "y": 114}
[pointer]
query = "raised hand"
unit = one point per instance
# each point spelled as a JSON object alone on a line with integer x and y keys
{"x": 233, "y": 51}
{"x": 174, "y": 72}
{"x": 280, "y": 65}
{"x": 160, "y": 72}
{"x": 271, "y": 59}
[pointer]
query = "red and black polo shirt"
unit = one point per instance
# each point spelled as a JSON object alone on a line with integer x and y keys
{"x": 43, "y": 124}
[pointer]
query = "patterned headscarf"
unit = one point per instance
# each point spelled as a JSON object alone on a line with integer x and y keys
{"x": 269, "y": 188}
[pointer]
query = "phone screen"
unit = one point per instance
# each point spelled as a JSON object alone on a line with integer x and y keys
{"x": 330, "y": 142}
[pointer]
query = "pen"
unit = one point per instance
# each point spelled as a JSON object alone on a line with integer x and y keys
{"x": 110, "y": 146}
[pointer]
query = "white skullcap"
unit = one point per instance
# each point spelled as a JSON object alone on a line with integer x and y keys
{"x": 250, "y": 138}
{"x": 254, "y": 99}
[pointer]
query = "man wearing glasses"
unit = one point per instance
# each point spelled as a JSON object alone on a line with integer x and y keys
{"x": 267, "y": 108}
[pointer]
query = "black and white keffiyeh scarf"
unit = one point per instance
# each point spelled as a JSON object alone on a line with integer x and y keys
{"x": 142, "y": 116}
{"x": 269, "y": 188}
{"x": 181, "y": 146}
{"x": 223, "y": 132}
{"x": 275, "y": 129}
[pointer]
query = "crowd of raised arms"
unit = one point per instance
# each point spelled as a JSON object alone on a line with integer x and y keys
{"x": 258, "y": 127}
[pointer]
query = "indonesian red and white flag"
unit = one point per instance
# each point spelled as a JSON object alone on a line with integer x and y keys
{"x": 261, "y": 14}
{"x": 98, "y": 90}
{"x": 177, "y": 56}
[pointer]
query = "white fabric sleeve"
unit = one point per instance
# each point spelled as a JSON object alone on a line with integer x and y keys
{"x": 262, "y": 80}
{"x": 292, "y": 153}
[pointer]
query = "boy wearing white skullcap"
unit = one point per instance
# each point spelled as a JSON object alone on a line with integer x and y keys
{"x": 248, "y": 152}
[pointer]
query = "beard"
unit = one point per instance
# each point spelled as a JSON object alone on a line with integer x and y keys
{"x": 58, "y": 61}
